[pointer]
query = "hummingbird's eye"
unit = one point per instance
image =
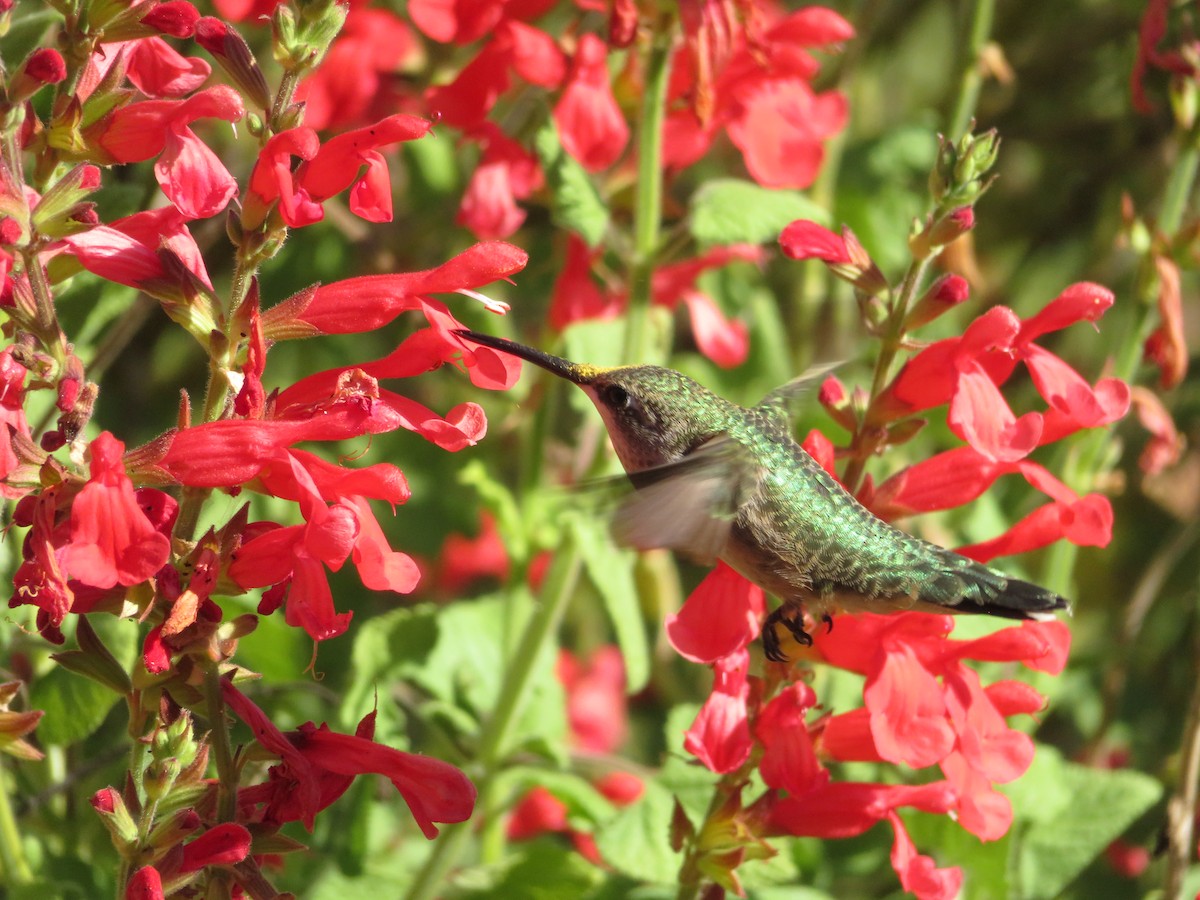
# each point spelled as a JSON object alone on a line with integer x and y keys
{"x": 617, "y": 397}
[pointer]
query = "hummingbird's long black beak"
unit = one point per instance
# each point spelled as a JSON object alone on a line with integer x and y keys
{"x": 574, "y": 372}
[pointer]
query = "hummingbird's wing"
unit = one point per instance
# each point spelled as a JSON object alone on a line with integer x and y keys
{"x": 786, "y": 394}
{"x": 688, "y": 505}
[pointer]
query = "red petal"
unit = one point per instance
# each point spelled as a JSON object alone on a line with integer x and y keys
{"x": 919, "y": 875}
{"x": 725, "y": 341}
{"x": 720, "y": 617}
{"x": 720, "y": 735}
{"x": 590, "y": 124}
{"x": 908, "y": 714}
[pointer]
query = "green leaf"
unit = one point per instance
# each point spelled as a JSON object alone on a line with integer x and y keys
{"x": 611, "y": 571}
{"x": 733, "y": 211}
{"x": 1077, "y": 812}
{"x": 545, "y": 869}
{"x": 76, "y": 706}
{"x": 576, "y": 203}
{"x": 636, "y": 841}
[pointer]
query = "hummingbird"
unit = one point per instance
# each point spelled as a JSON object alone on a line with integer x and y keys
{"x": 716, "y": 480}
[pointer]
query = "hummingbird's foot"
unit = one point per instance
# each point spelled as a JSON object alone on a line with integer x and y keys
{"x": 828, "y": 620}
{"x": 792, "y": 618}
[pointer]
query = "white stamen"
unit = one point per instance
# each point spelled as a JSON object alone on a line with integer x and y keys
{"x": 499, "y": 307}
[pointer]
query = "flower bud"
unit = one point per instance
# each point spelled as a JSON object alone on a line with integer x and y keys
{"x": 58, "y": 212}
{"x": 836, "y": 401}
{"x": 116, "y": 818}
{"x": 958, "y": 176}
{"x": 942, "y": 296}
{"x": 231, "y": 51}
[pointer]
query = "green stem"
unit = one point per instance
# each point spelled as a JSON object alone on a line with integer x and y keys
{"x": 557, "y": 589}
{"x": 12, "y": 854}
{"x": 971, "y": 77}
{"x": 227, "y": 775}
{"x": 648, "y": 211}
{"x": 866, "y": 439}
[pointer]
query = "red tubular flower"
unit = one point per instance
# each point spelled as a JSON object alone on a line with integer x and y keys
{"x": 272, "y": 180}
{"x": 336, "y": 165}
{"x": 222, "y": 845}
{"x": 146, "y": 884}
{"x": 1165, "y": 445}
{"x": 464, "y": 560}
{"x": 1167, "y": 346}
{"x": 845, "y": 808}
{"x": 576, "y": 296}
{"x": 12, "y": 413}
{"x": 753, "y": 82}
{"x": 724, "y": 341}
{"x": 112, "y": 541}
{"x": 188, "y": 171}
{"x": 789, "y": 761}
{"x": 925, "y": 707}
{"x": 595, "y": 690}
{"x": 318, "y": 765}
{"x": 506, "y": 173}
{"x": 351, "y": 81}
{"x": 590, "y": 123}
{"x": 532, "y": 54}
{"x": 720, "y": 736}
{"x": 720, "y": 617}
{"x": 157, "y": 69}
{"x": 371, "y": 301}
{"x": 919, "y": 874}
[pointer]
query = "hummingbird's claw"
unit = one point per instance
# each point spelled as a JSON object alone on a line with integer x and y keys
{"x": 792, "y": 618}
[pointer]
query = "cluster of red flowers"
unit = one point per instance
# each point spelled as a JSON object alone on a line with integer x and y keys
{"x": 93, "y": 537}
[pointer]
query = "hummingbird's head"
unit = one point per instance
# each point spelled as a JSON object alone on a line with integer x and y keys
{"x": 653, "y": 415}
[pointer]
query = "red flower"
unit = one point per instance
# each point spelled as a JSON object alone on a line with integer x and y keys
{"x": 789, "y": 760}
{"x": 506, "y": 173}
{"x": 1167, "y": 346}
{"x": 146, "y": 884}
{"x": 154, "y": 252}
{"x": 720, "y": 736}
{"x": 595, "y": 699}
{"x": 919, "y": 875}
{"x": 923, "y": 706}
{"x": 222, "y": 845}
{"x": 753, "y": 82}
{"x": 532, "y": 54}
{"x": 1165, "y": 445}
{"x": 112, "y": 541}
{"x": 576, "y": 296}
{"x": 318, "y": 765}
{"x": 351, "y": 80}
{"x": 12, "y": 414}
{"x": 464, "y": 560}
{"x": 157, "y": 69}
{"x": 590, "y": 124}
{"x": 188, "y": 171}
{"x": 721, "y": 617}
{"x": 327, "y": 171}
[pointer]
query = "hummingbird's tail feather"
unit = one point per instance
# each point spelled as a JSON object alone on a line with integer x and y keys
{"x": 995, "y": 594}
